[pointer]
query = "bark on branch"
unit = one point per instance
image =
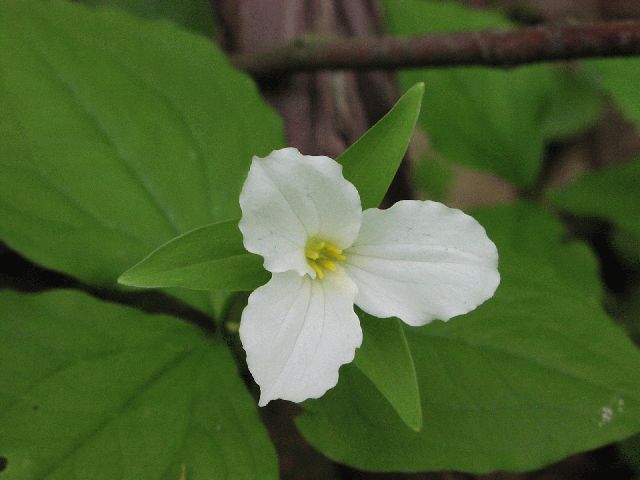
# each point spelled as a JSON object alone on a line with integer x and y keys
{"x": 482, "y": 48}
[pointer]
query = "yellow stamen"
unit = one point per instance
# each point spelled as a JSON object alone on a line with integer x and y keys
{"x": 328, "y": 264}
{"x": 318, "y": 245}
{"x": 312, "y": 255}
{"x": 317, "y": 269}
{"x": 323, "y": 256}
{"x": 333, "y": 252}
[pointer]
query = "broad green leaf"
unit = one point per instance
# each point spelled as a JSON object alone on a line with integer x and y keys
{"x": 575, "y": 104}
{"x": 611, "y": 193}
{"x": 486, "y": 118}
{"x": 207, "y": 258}
{"x": 371, "y": 163}
{"x": 619, "y": 78}
{"x": 196, "y": 15}
{"x": 525, "y": 229}
{"x": 386, "y": 360}
{"x": 535, "y": 374}
{"x": 116, "y": 135}
{"x": 95, "y": 391}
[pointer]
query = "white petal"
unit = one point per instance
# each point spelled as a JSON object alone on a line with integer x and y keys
{"x": 419, "y": 261}
{"x": 297, "y": 332}
{"x": 287, "y": 199}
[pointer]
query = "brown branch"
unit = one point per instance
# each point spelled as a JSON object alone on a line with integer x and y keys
{"x": 483, "y": 48}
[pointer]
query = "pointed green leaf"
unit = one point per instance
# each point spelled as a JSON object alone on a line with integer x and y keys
{"x": 371, "y": 163}
{"x": 116, "y": 135}
{"x": 207, "y": 258}
{"x": 93, "y": 390}
{"x": 387, "y": 362}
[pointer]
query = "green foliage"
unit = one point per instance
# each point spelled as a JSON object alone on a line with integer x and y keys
{"x": 111, "y": 138}
{"x": 120, "y": 134}
{"x": 486, "y": 118}
{"x": 386, "y": 360}
{"x": 193, "y": 14}
{"x": 433, "y": 175}
{"x": 619, "y": 78}
{"x": 526, "y": 230}
{"x": 371, "y": 163}
{"x": 93, "y": 390}
{"x": 574, "y": 104}
{"x": 535, "y": 374}
{"x": 207, "y": 258}
{"x": 212, "y": 257}
{"x": 611, "y": 193}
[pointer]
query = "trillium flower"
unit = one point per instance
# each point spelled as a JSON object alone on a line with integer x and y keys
{"x": 417, "y": 260}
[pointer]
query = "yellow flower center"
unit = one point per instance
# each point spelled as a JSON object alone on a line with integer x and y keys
{"x": 322, "y": 256}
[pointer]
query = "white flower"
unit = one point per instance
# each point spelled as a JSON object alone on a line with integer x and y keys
{"x": 418, "y": 261}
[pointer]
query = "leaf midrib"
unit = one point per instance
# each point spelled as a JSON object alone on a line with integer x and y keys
{"x": 114, "y": 415}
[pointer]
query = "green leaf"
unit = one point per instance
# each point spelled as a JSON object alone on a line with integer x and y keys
{"x": 212, "y": 257}
{"x": 371, "y": 163}
{"x": 537, "y": 373}
{"x": 487, "y": 118}
{"x": 619, "y": 78}
{"x": 611, "y": 193}
{"x": 575, "y": 104}
{"x": 207, "y": 258}
{"x": 386, "y": 360}
{"x": 525, "y": 379}
{"x": 116, "y": 135}
{"x": 433, "y": 175}
{"x": 93, "y": 390}
{"x": 525, "y": 229}
{"x": 196, "y": 15}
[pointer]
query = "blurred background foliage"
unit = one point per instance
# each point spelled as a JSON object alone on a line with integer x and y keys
{"x": 545, "y": 156}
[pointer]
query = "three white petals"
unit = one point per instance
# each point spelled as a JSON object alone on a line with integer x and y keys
{"x": 418, "y": 261}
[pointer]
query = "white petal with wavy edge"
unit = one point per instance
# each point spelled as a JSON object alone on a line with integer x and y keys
{"x": 297, "y": 332}
{"x": 421, "y": 261}
{"x": 287, "y": 199}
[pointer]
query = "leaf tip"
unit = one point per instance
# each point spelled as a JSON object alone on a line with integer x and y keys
{"x": 418, "y": 87}
{"x": 415, "y": 424}
{"x": 127, "y": 278}
{"x": 415, "y": 95}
